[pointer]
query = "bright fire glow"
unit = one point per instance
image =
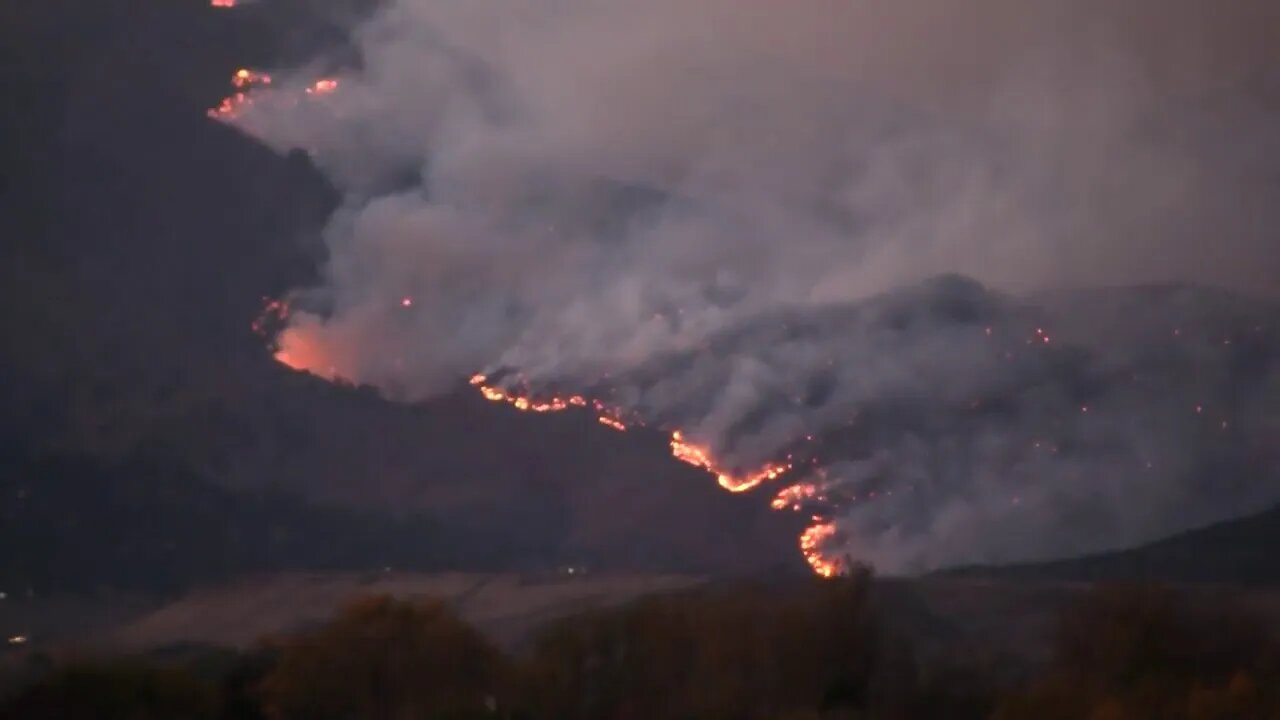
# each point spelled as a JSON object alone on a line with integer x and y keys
{"x": 245, "y": 77}
{"x": 299, "y": 349}
{"x": 323, "y": 87}
{"x": 524, "y": 404}
{"x": 794, "y": 496}
{"x": 244, "y": 80}
{"x": 698, "y": 456}
{"x": 811, "y": 541}
{"x": 223, "y": 3}
{"x": 610, "y": 422}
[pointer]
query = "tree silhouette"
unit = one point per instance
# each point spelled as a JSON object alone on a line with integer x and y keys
{"x": 727, "y": 653}
{"x": 120, "y": 690}
{"x": 1139, "y": 652}
{"x": 384, "y": 659}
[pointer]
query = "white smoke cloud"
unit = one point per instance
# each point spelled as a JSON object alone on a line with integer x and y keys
{"x": 577, "y": 189}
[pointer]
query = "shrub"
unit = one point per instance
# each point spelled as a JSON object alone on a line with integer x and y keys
{"x": 383, "y": 659}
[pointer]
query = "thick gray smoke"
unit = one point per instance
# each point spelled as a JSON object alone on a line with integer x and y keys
{"x": 651, "y": 197}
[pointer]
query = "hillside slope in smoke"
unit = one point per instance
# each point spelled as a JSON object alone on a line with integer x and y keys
{"x": 140, "y": 239}
{"x": 846, "y": 254}
{"x": 946, "y": 423}
{"x": 753, "y": 293}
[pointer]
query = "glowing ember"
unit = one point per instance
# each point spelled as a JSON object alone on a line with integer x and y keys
{"x": 245, "y": 80}
{"x": 323, "y": 87}
{"x": 681, "y": 448}
{"x": 794, "y": 496}
{"x": 297, "y": 353}
{"x": 524, "y": 404}
{"x": 810, "y": 545}
{"x": 275, "y": 311}
{"x": 610, "y": 422}
{"x": 697, "y": 456}
{"x": 229, "y": 107}
{"x": 301, "y": 351}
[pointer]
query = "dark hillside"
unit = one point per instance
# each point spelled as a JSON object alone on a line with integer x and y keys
{"x": 1235, "y": 552}
{"x": 139, "y": 240}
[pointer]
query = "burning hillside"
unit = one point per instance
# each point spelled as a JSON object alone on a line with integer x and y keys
{"x": 950, "y": 399}
{"x": 687, "y": 452}
{"x": 761, "y": 247}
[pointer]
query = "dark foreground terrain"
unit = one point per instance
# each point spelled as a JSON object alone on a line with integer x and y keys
{"x": 502, "y": 647}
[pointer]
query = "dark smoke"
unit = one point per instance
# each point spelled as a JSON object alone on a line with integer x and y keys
{"x": 731, "y": 216}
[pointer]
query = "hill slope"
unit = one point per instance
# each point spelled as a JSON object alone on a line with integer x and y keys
{"x": 1235, "y": 552}
{"x": 140, "y": 238}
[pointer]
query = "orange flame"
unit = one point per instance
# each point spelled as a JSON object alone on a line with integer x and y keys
{"x": 697, "y": 456}
{"x": 610, "y": 422}
{"x": 245, "y": 80}
{"x": 811, "y": 541}
{"x": 245, "y": 77}
{"x": 295, "y": 347}
{"x": 323, "y": 87}
{"x": 794, "y": 496}
{"x": 810, "y": 545}
{"x": 524, "y": 404}
{"x": 223, "y": 3}
{"x": 299, "y": 351}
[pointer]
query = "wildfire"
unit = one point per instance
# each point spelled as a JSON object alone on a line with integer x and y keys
{"x": 525, "y": 404}
{"x": 275, "y": 311}
{"x": 811, "y": 541}
{"x": 811, "y": 546}
{"x": 295, "y": 347}
{"x": 229, "y": 107}
{"x": 245, "y": 80}
{"x": 794, "y": 496}
{"x": 298, "y": 351}
{"x": 610, "y": 422}
{"x": 323, "y": 87}
{"x": 698, "y": 456}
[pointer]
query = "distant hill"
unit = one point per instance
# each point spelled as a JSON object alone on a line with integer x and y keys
{"x": 73, "y": 524}
{"x": 1235, "y": 552}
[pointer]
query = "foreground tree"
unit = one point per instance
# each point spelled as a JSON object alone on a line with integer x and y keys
{"x": 1133, "y": 653}
{"x": 120, "y": 690}
{"x": 383, "y": 659}
{"x": 728, "y": 653}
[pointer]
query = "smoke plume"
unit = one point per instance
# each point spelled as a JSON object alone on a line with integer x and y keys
{"x": 755, "y": 221}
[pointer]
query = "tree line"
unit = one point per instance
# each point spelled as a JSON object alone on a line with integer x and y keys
{"x": 731, "y": 652}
